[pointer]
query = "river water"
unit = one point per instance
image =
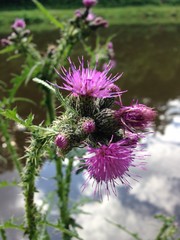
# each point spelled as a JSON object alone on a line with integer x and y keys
{"x": 149, "y": 56}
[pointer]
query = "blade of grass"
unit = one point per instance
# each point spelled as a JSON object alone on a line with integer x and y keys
{"x": 48, "y": 14}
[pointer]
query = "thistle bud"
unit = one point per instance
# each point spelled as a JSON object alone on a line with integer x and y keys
{"x": 89, "y": 3}
{"x": 5, "y": 42}
{"x": 135, "y": 117}
{"x": 84, "y": 105}
{"x": 18, "y": 24}
{"x": 88, "y": 126}
{"x": 61, "y": 141}
{"x": 106, "y": 122}
{"x": 78, "y": 13}
{"x": 99, "y": 22}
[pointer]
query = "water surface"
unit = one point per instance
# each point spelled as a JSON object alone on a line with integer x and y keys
{"x": 150, "y": 59}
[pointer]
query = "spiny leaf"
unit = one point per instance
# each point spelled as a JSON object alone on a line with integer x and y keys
{"x": 18, "y": 80}
{"x": 168, "y": 229}
{"x": 29, "y": 120}
{"x": 13, "y": 57}
{"x": 7, "y": 49}
{"x": 75, "y": 208}
{"x": 10, "y": 224}
{"x": 8, "y": 184}
{"x": 45, "y": 84}
{"x": 134, "y": 235}
{"x": 24, "y": 100}
{"x": 31, "y": 72}
{"x": 64, "y": 230}
{"x": 48, "y": 14}
{"x": 13, "y": 115}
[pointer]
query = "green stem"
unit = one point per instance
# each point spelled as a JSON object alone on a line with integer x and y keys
{"x": 162, "y": 231}
{"x": 50, "y": 104}
{"x": 3, "y": 234}
{"x": 63, "y": 188}
{"x": 67, "y": 182}
{"x": 30, "y": 208}
{"x": 30, "y": 171}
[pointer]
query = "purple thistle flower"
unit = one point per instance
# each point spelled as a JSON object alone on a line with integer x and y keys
{"x": 110, "y": 163}
{"x": 88, "y": 126}
{"x": 18, "y": 23}
{"x": 135, "y": 117}
{"x": 90, "y": 17}
{"x": 78, "y": 13}
{"x": 84, "y": 81}
{"x": 99, "y": 22}
{"x": 110, "y": 45}
{"x": 89, "y": 3}
{"x": 5, "y": 42}
{"x": 61, "y": 141}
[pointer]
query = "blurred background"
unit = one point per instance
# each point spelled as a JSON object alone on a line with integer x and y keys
{"x": 147, "y": 51}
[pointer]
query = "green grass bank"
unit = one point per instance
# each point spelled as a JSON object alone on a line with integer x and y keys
{"x": 141, "y": 15}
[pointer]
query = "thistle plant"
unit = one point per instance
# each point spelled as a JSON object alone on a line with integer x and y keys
{"x": 111, "y": 137}
{"x": 89, "y": 121}
{"x": 20, "y": 43}
{"x": 92, "y": 118}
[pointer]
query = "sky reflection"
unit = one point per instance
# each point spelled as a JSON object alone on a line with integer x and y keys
{"x": 156, "y": 192}
{"x": 152, "y": 73}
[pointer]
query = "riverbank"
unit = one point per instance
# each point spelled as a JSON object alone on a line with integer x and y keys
{"x": 123, "y": 16}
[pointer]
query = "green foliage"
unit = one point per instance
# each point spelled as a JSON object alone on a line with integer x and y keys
{"x": 8, "y": 184}
{"x": 60, "y": 228}
{"x": 8, "y": 49}
{"x": 45, "y": 84}
{"x": 133, "y": 235}
{"x": 11, "y": 223}
{"x": 48, "y": 15}
{"x": 12, "y": 115}
{"x": 168, "y": 230}
{"x": 3, "y": 234}
{"x": 41, "y": 141}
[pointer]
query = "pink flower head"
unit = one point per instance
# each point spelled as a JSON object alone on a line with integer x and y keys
{"x": 89, "y": 3}
{"x": 110, "y": 163}
{"x": 99, "y": 22}
{"x": 88, "y": 126}
{"x": 83, "y": 81}
{"x": 5, "y": 42}
{"x": 18, "y": 23}
{"x": 135, "y": 117}
{"x": 90, "y": 17}
{"x": 61, "y": 141}
{"x": 78, "y": 13}
{"x": 110, "y": 45}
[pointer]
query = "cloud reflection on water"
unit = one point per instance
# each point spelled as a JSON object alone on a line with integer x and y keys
{"x": 156, "y": 192}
